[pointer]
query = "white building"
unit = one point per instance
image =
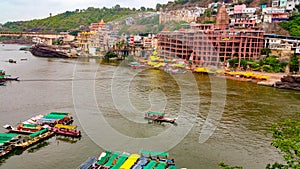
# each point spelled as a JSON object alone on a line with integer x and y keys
{"x": 290, "y": 4}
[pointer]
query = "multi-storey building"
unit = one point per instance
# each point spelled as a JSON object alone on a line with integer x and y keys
{"x": 186, "y": 14}
{"x": 84, "y": 40}
{"x": 290, "y": 4}
{"x": 271, "y": 15}
{"x": 211, "y": 47}
{"x": 280, "y": 42}
{"x": 242, "y": 17}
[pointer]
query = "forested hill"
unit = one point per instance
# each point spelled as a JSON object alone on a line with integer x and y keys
{"x": 69, "y": 20}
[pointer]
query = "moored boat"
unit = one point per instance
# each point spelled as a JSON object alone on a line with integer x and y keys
{"x": 144, "y": 160}
{"x": 2, "y": 83}
{"x": 88, "y": 163}
{"x": 2, "y": 72}
{"x": 66, "y": 130}
{"x": 54, "y": 118}
{"x": 132, "y": 159}
{"x": 2, "y": 80}
{"x": 34, "y": 138}
{"x": 6, "y": 143}
{"x": 23, "y": 128}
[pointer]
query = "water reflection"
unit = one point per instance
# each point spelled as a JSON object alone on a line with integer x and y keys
{"x": 66, "y": 139}
{"x": 38, "y": 146}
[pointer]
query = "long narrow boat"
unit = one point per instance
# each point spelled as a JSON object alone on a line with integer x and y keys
{"x": 2, "y": 80}
{"x": 7, "y": 143}
{"x": 23, "y": 128}
{"x": 158, "y": 117}
{"x": 66, "y": 130}
{"x": 132, "y": 159}
{"x": 34, "y": 138}
{"x": 144, "y": 160}
{"x": 56, "y": 118}
{"x": 88, "y": 163}
{"x": 11, "y": 78}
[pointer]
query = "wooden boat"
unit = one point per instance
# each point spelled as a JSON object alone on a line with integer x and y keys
{"x": 138, "y": 66}
{"x": 34, "y": 138}
{"x": 88, "y": 163}
{"x": 103, "y": 158}
{"x": 2, "y": 72}
{"x": 23, "y": 128}
{"x": 54, "y": 118}
{"x": 132, "y": 159}
{"x": 7, "y": 143}
{"x": 11, "y": 78}
{"x": 66, "y": 130}
{"x": 158, "y": 117}
{"x": 144, "y": 160}
{"x": 12, "y": 61}
{"x": 2, "y": 83}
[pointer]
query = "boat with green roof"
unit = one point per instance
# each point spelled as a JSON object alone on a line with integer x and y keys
{"x": 34, "y": 138}
{"x": 144, "y": 160}
{"x": 23, "y": 128}
{"x": 7, "y": 141}
{"x": 54, "y": 118}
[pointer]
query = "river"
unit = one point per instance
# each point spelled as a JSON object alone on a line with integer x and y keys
{"x": 218, "y": 119}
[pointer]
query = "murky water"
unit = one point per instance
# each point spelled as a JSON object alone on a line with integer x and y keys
{"x": 218, "y": 120}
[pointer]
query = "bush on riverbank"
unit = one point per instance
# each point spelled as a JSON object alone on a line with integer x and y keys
{"x": 286, "y": 138}
{"x": 271, "y": 64}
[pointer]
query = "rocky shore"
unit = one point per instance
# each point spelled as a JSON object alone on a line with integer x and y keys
{"x": 289, "y": 82}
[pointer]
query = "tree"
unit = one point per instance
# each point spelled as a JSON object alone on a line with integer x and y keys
{"x": 294, "y": 64}
{"x": 74, "y": 33}
{"x": 117, "y": 6}
{"x": 143, "y": 8}
{"x": 265, "y": 51}
{"x": 207, "y": 13}
{"x": 158, "y": 6}
{"x": 286, "y": 138}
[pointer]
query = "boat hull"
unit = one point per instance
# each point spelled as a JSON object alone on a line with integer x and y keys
{"x": 47, "y": 51}
{"x": 66, "y": 133}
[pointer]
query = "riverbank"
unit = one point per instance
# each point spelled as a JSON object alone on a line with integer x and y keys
{"x": 278, "y": 80}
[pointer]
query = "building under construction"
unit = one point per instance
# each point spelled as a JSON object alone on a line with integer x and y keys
{"x": 211, "y": 45}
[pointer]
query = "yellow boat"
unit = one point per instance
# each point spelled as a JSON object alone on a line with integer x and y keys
{"x": 130, "y": 161}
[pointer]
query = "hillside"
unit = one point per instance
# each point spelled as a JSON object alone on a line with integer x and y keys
{"x": 79, "y": 20}
{"x": 69, "y": 20}
{"x": 149, "y": 24}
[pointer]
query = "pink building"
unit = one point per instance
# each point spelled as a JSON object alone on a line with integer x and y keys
{"x": 245, "y": 23}
{"x": 279, "y": 17}
{"x": 238, "y": 8}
